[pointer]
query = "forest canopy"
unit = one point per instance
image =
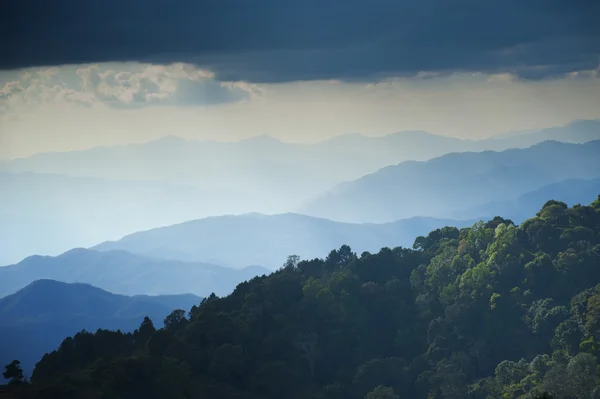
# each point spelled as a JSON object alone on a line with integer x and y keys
{"x": 490, "y": 311}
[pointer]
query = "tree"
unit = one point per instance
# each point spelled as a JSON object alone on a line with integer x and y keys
{"x": 14, "y": 373}
{"x": 159, "y": 342}
{"x": 176, "y": 321}
{"x": 291, "y": 262}
{"x": 143, "y": 334}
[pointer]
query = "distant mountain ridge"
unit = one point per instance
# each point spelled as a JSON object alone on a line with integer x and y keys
{"x": 578, "y": 131}
{"x": 124, "y": 273}
{"x": 41, "y": 313}
{"x": 62, "y": 301}
{"x": 571, "y": 192}
{"x": 285, "y": 170}
{"x": 236, "y": 240}
{"x": 453, "y": 182}
{"x": 269, "y": 239}
{"x": 56, "y": 201}
{"x": 49, "y": 214}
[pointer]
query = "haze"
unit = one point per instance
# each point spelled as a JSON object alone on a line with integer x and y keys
{"x": 81, "y": 106}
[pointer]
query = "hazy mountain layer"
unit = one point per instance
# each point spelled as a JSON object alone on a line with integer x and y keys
{"x": 49, "y": 214}
{"x": 171, "y": 181}
{"x": 571, "y": 192}
{"x": 268, "y": 240}
{"x": 125, "y": 273}
{"x": 268, "y": 168}
{"x": 442, "y": 186}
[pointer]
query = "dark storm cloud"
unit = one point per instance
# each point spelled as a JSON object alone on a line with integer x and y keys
{"x": 283, "y": 40}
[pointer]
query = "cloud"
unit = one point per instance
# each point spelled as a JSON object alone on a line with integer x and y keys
{"x": 120, "y": 86}
{"x": 287, "y": 40}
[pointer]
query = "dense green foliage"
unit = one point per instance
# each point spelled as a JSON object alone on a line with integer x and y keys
{"x": 491, "y": 311}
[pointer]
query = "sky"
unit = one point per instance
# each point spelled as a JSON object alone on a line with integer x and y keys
{"x": 76, "y": 74}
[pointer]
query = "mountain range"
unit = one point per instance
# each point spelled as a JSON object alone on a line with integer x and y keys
{"x": 442, "y": 186}
{"x": 268, "y": 240}
{"x": 571, "y": 192}
{"x": 38, "y": 317}
{"x": 49, "y": 214}
{"x": 268, "y": 168}
{"x": 57, "y": 201}
{"x": 124, "y": 273}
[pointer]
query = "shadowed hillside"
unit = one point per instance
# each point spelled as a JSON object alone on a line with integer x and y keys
{"x": 35, "y": 319}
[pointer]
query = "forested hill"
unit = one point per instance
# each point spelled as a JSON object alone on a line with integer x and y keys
{"x": 491, "y": 311}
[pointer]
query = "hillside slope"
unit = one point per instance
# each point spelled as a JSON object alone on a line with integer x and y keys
{"x": 453, "y": 182}
{"x": 35, "y": 319}
{"x": 491, "y": 311}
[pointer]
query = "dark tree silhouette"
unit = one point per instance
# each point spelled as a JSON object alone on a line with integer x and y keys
{"x": 14, "y": 373}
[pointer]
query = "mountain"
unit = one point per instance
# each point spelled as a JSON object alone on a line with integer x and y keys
{"x": 571, "y": 192}
{"x": 491, "y": 311}
{"x": 37, "y": 318}
{"x": 268, "y": 240}
{"x": 56, "y": 201}
{"x": 125, "y": 273}
{"x": 48, "y": 301}
{"x": 262, "y": 167}
{"x": 453, "y": 182}
{"x": 49, "y": 214}
{"x": 265, "y": 167}
{"x": 578, "y": 131}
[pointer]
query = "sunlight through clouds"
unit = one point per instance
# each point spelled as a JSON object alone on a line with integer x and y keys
{"x": 121, "y": 86}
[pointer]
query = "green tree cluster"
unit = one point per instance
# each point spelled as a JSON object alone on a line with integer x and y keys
{"x": 491, "y": 311}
